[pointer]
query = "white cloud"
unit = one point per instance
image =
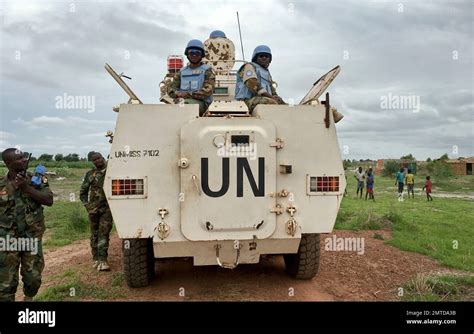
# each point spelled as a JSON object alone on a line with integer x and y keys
{"x": 94, "y": 135}
{"x": 71, "y": 122}
{"x": 6, "y": 135}
{"x": 47, "y": 120}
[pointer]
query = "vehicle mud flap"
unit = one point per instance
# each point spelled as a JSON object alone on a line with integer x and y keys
{"x": 226, "y": 265}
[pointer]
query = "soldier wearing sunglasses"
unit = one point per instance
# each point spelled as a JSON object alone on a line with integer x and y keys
{"x": 254, "y": 82}
{"x": 194, "y": 84}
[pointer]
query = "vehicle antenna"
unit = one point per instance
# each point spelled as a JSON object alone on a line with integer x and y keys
{"x": 240, "y": 34}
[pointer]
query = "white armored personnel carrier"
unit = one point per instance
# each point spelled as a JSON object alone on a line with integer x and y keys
{"x": 227, "y": 187}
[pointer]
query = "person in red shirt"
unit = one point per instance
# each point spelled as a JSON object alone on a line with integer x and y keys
{"x": 428, "y": 189}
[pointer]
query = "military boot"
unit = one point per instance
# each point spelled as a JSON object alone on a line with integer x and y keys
{"x": 103, "y": 266}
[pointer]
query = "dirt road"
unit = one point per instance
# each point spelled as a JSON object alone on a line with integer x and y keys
{"x": 375, "y": 275}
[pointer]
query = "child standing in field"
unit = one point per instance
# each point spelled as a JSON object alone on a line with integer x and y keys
{"x": 359, "y": 175}
{"x": 399, "y": 180}
{"x": 428, "y": 186}
{"x": 370, "y": 185}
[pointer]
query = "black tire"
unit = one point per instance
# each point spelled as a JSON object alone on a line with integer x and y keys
{"x": 138, "y": 262}
{"x": 305, "y": 263}
{"x": 151, "y": 260}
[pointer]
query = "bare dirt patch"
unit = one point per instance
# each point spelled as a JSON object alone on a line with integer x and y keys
{"x": 375, "y": 275}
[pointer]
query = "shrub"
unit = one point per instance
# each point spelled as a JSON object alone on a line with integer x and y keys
{"x": 439, "y": 169}
{"x": 390, "y": 167}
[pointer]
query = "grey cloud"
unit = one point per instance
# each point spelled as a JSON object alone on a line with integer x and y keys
{"x": 80, "y": 42}
{"x": 409, "y": 53}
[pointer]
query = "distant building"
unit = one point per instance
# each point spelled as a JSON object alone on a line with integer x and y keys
{"x": 461, "y": 166}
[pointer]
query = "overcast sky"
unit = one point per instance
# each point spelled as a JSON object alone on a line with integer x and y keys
{"x": 387, "y": 50}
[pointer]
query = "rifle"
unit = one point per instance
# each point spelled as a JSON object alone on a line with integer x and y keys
{"x": 26, "y": 167}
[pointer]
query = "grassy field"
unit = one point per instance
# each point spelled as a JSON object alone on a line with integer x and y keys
{"x": 66, "y": 222}
{"x": 72, "y": 288}
{"x": 439, "y": 288}
{"x": 441, "y": 229}
{"x": 456, "y": 184}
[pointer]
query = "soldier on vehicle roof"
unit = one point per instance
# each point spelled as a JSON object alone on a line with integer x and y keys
{"x": 194, "y": 84}
{"x": 254, "y": 82}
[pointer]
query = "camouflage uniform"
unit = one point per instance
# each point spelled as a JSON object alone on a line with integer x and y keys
{"x": 20, "y": 217}
{"x": 249, "y": 75}
{"x": 93, "y": 197}
{"x": 164, "y": 86}
{"x": 199, "y": 96}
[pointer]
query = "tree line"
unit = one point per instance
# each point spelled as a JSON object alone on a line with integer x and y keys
{"x": 71, "y": 157}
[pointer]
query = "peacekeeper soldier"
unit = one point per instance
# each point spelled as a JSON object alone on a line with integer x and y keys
{"x": 194, "y": 84}
{"x": 254, "y": 82}
{"x": 21, "y": 221}
{"x": 93, "y": 197}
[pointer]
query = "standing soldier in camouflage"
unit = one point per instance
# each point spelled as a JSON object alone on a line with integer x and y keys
{"x": 254, "y": 83}
{"x": 21, "y": 219}
{"x": 195, "y": 82}
{"x": 93, "y": 197}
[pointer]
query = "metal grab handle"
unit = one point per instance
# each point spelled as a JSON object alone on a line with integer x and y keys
{"x": 195, "y": 180}
{"x": 224, "y": 264}
{"x": 328, "y": 107}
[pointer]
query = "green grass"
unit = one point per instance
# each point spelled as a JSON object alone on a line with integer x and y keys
{"x": 118, "y": 279}
{"x": 66, "y": 222}
{"x": 53, "y": 165}
{"x": 71, "y": 287}
{"x": 456, "y": 184}
{"x": 378, "y": 236}
{"x": 63, "y": 164}
{"x": 439, "y": 288}
{"x": 441, "y": 229}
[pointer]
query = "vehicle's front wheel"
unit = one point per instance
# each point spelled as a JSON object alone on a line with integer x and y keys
{"x": 305, "y": 263}
{"x": 138, "y": 262}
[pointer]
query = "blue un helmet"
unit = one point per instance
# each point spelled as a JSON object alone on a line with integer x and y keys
{"x": 261, "y": 49}
{"x": 217, "y": 33}
{"x": 194, "y": 44}
{"x": 40, "y": 170}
